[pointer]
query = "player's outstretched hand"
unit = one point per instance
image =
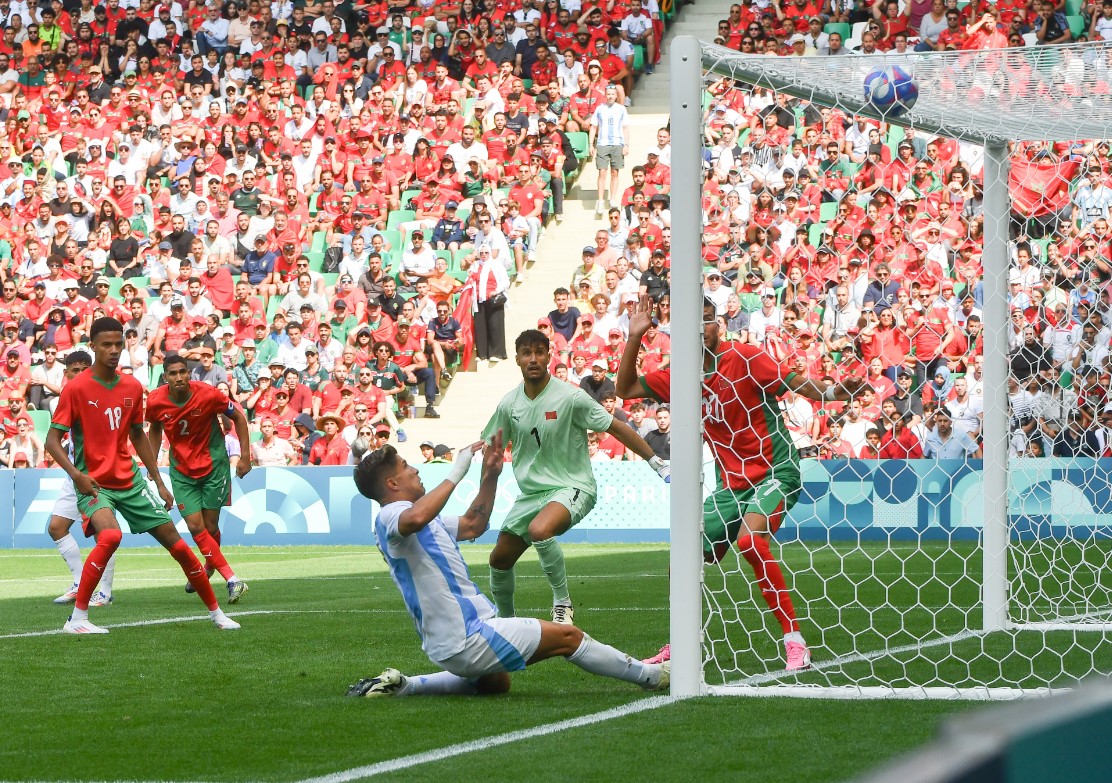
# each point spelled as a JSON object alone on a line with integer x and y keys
{"x": 642, "y": 317}
{"x": 493, "y": 457}
{"x": 86, "y": 485}
{"x": 243, "y": 467}
{"x": 848, "y": 388}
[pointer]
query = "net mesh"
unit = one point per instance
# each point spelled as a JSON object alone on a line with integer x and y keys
{"x": 841, "y": 247}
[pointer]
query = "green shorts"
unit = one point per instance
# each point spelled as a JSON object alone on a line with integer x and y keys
{"x": 140, "y": 507}
{"x": 525, "y": 509}
{"x": 194, "y": 495}
{"x": 724, "y": 509}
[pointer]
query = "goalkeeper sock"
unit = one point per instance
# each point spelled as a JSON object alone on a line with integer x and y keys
{"x": 71, "y": 553}
{"x": 502, "y": 588}
{"x": 551, "y": 556}
{"x": 602, "y": 659}
{"x": 770, "y": 580}
{"x": 214, "y": 558}
{"x": 106, "y": 577}
{"x": 439, "y": 683}
{"x": 194, "y": 572}
{"x": 108, "y": 541}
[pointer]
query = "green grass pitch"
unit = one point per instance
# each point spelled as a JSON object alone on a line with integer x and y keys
{"x": 182, "y": 701}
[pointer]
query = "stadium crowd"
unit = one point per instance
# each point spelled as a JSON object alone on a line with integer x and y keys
{"x": 323, "y": 208}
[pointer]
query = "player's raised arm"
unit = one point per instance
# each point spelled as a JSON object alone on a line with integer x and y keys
{"x": 477, "y": 519}
{"x": 425, "y": 508}
{"x": 635, "y": 443}
{"x": 625, "y": 382}
{"x": 150, "y": 461}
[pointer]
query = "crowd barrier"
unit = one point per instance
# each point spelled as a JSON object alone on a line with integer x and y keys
{"x": 841, "y": 499}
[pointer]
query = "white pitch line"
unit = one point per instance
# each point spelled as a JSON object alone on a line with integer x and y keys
{"x": 459, "y": 749}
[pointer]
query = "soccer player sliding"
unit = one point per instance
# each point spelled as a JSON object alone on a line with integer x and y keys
{"x": 546, "y": 422}
{"x": 103, "y": 410}
{"x": 758, "y": 466}
{"x": 200, "y": 471}
{"x": 459, "y": 629}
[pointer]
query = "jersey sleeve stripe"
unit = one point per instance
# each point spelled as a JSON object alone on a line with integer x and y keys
{"x": 56, "y": 426}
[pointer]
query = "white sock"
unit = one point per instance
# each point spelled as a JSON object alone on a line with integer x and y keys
{"x": 106, "y": 577}
{"x": 216, "y": 614}
{"x": 602, "y": 659}
{"x": 439, "y": 683}
{"x": 71, "y": 553}
{"x": 794, "y": 636}
{"x": 79, "y": 614}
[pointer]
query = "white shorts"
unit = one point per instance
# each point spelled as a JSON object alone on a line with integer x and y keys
{"x": 66, "y": 504}
{"x": 502, "y": 644}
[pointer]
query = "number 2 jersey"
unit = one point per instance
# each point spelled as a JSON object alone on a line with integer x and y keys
{"x": 196, "y": 440}
{"x": 98, "y": 417}
{"x": 741, "y": 415}
{"x": 549, "y": 436}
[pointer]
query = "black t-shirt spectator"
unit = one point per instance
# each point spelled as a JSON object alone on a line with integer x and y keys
{"x": 564, "y": 323}
{"x": 660, "y": 443}
{"x": 907, "y": 402}
{"x": 203, "y": 78}
{"x": 392, "y": 305}
{"x": 123, "y": 253}
{"x": 655, "y": 285}
{"x": 182, "y": 244}
{"x": 597, "y": 389}
{"x": 500, "y": 54}
{"x": 445, "y": 331}
{"x": 528, "y": 52}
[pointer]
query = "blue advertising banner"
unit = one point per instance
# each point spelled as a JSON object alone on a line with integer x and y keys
{"x": 840, "y": 499}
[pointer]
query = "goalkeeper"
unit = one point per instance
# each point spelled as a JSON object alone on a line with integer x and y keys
{"x": 758, "y": 467}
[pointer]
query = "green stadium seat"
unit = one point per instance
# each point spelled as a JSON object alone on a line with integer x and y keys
{"x": 815, "y": 233}
{"x": 313, "y": 204}
{"x": 827, "y": 211}
{"x": 41, "y": 422}
{"x": 838, "y": 27}
{"x": 399, "y": 216}
{"x": 1074, "y": 7}
{"x": 580, "y": 143}
{"x": 1077, "y": 25}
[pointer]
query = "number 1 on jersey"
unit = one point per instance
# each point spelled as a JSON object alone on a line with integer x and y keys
{"x": 536, "y": 434}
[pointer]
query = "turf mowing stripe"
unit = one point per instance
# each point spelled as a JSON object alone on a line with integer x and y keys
{"x": 406, "y": 762}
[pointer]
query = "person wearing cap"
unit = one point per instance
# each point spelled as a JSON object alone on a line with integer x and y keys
{"x": 716, "y": 291}
{"x": 609, "y": 143}
{"x": 547, "y": 421}
{"x": 206, "y": 370}
{"x": 588, "y": 270}
{"x": 449, "y": 232}
{"x": 428, "y": 450}
{"x": 418, "y": 262}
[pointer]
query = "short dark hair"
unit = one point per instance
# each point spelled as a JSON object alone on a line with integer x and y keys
{"x": 172, "y": 359}
{"x": 106, "y": 324}
{"x": 530, "y": 338}
{"x": 561, "y": 290}
{"x": 371, "y": 472}
{"x": 77, "y": 357}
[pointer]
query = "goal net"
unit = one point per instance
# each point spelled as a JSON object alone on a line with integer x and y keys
{"x": 943, "y": 526}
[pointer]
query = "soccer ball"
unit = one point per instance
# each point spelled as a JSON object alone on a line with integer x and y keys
{"x": 892, "y": 91}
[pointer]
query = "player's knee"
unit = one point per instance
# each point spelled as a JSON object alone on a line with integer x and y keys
{"x": 110, "y": 537}
{"x": 500, "y": 561}
{"x": 58, "y": 527}
{"x": 716, "y": 552}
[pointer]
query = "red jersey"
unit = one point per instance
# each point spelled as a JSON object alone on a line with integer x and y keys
{"x": 744, "y": 428}
{"x": 93, "y": 412}
{"x": 196, "y": 440}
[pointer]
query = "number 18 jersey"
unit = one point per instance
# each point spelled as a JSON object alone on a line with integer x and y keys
{"x": 99, "y": 417}
{"x": 549, "y": 436}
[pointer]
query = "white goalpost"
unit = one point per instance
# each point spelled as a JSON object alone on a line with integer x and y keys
{"x": 952, "y": 583}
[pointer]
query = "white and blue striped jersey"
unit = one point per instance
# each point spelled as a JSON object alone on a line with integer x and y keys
{"x": 446, "y": 606}
{"x": 611, "y": 122}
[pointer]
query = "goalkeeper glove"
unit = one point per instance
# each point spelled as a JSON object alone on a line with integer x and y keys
{"x": 662, "y": 468}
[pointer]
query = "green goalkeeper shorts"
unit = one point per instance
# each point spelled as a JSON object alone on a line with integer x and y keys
{"x": 140, "y": 507}
{"x": 194, "y": 495}
{"x": 725, "y": 509}
{"x": 526, "y": 507}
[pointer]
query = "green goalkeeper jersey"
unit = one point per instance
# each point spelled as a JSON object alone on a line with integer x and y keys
{"x": 549, "y": 436}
